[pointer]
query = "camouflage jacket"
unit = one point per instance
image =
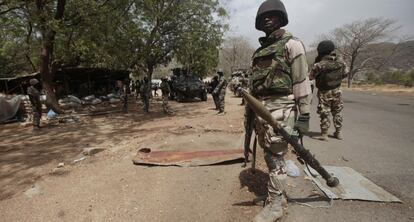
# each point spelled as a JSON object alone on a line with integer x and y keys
{"x": 280, "y": 68}
{"x": 329, "y": 72}
{"x": 221, "y": 86}
{"x": 165, "y": 87}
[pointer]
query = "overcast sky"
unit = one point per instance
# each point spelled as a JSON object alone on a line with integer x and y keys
{"x": 309, "y": 18}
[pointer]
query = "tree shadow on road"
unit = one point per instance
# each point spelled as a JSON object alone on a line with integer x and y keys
{"x": 26, "y": 156}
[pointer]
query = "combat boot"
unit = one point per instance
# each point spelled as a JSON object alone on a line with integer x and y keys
{"x": 272, "y": 211}
{"x": 323, "y": 136}
{"x": 338, "y": 135}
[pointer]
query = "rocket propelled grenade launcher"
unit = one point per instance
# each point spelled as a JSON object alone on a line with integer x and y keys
{"x": 304, "y": 154}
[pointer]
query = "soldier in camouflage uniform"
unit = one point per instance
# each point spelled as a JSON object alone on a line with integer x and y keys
{"x": 34, "y": 96}
{"x": 144, "y": 93}
{"x": 220, "y": 92}
{"x": 328, "y": 71}
{"x": 165, "y": 89}
{"x": 213, "y": 84}
{"x": 125, "y": 91}
{"x": 279, "y": 79}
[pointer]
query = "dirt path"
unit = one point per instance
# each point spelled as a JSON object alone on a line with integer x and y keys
{"x": 107, "y": 186}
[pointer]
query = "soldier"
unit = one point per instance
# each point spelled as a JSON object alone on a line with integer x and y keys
{"x": 279, "y": 78}
{"x": 34, "y": 96}
{"x": 144, "y": 93}
{"x": 125, "y": 91}
{"x": 165, "y": 89}
{"x": 213, "y": 84}
{"x": 220, "y": 92}
{"x": 328, "y": 71}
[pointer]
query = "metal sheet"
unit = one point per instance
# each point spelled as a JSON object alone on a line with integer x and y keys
{"x": 188, "y": 158}
{"x": 353, "y": 186}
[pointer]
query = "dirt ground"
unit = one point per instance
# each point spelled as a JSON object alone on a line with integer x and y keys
{"x": 108, "y": 187}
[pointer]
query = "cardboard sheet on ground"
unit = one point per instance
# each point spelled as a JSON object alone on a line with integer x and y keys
{"x": 353, "y": 186}
{"x": 187, "y": 158}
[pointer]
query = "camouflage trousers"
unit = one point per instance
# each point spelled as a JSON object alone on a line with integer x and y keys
{"x": 145, "y": 102}
{"x": 125, "y": 102}
{"x": 37, "y": 115}
{"x": 216, "y": 100}
{"x": 330, "y": 102}
{"x": 165, "y": 106}
{"x": 220, "y": 101}
{"x": 275, "y": 147}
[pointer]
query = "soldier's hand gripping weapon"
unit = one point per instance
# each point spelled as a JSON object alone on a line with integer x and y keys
{"x": 260, "y": 110}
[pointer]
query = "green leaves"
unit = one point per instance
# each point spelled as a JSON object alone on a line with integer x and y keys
{"x": 117, "y": 34}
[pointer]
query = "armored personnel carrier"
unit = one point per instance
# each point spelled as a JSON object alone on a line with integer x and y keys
{"x": 187, "y": 86}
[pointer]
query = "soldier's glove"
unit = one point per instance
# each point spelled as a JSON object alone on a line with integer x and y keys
{"x": 302, "y": 124}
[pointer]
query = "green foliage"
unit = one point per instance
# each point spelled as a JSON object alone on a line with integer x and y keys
{"x": 137, "y": 35}
{"x": 394, "y": 77}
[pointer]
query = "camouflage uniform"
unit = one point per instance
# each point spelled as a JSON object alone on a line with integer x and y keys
{"x": 34, "y": 96}
{"x": 329, "y": 73}
{"x": 124, "y": 94}
{"x": 144, "y": 93}
{"x": 165, "y": 89}
{"x": 213, "y": 85}
{"x": 279, "y": 79}
{"x": 220, "y": 92}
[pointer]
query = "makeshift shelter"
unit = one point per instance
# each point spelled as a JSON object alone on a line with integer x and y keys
{"x": 75, "y": 81}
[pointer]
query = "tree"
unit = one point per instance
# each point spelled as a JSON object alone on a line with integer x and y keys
{"x": 354, "y": 39}
{"x": 199, "y": 45}
{"x": 236, "y": 53}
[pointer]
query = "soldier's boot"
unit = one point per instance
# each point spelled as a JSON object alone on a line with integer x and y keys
{"x": 221, "y": 113}
{"x": 338, "y": 135}
{"x": 323, "y": 136}
{"x": 272, "y": 211}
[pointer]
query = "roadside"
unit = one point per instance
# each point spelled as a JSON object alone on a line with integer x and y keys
{"x": 384, "y": 89}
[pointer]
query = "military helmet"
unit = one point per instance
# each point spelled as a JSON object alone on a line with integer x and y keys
{"x": 325, "y": 47}
{"x": 220, "y": 72}
{"x": 275, "y": 6}
{"x": 33, "y": 81}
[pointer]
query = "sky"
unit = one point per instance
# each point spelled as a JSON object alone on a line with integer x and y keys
{"x": 310, "y": 18}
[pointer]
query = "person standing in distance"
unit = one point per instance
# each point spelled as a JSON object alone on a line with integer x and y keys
{"x": 329, "y": 70}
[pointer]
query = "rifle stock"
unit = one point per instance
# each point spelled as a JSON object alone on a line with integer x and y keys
{"x": 260, "y": 110}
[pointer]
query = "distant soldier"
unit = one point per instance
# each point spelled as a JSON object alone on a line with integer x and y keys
{"x": 165, "y": 89}
{"x": 137, "y": 88}
{"x": 125, "y": 91}
{"x": 213, "y": 84}
{"x": 144, "y": 93}
{"x": 34, "y": 96}
{"x": 328, "y": 71}
{"x": 220, "y": 92}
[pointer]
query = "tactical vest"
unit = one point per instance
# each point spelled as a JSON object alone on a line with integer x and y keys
{"x": 271, "y": 73}
{"x": 330, "y": 75}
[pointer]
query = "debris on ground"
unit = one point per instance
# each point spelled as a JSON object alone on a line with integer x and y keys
{"x": 92, "y": 151}
{"x": 187, "y": 158}
{"x": 80, "y": 159}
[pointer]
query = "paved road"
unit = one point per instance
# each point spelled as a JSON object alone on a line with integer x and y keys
{"x": 379, "y": 143}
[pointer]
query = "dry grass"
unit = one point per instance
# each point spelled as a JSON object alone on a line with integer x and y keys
{"x": 387, "y": 88}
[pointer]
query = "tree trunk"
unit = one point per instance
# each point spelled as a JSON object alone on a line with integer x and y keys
{"x": 47, "y": 77}
{"x": 349, "y": 81}
{"x": 48, "y": 41}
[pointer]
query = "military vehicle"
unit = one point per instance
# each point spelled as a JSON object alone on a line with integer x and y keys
{"x": 187, "y": 86}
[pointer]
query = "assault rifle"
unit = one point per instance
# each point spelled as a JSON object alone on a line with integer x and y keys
{"x": 303, "y": 153}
